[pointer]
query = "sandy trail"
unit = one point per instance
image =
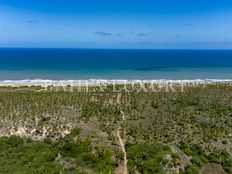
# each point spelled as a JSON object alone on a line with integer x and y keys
{"x": 122, "y": 145}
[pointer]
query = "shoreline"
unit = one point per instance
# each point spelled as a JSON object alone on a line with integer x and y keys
{"x": 41, "y": 82}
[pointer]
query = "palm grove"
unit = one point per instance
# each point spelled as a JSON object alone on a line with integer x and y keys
{"x": 186, "y": 131}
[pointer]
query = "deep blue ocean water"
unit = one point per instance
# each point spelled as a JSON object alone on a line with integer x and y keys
{"x": 76, "y": 64}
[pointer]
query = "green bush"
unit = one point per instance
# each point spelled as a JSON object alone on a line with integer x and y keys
{"x": 147, "y": 157}
{"x": 36, "y": 157}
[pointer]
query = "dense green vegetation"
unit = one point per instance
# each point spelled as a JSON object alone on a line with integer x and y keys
{"x": 71, "y": 154}
{"x": 148, "y": 157}
{"x": 164, "y": 132}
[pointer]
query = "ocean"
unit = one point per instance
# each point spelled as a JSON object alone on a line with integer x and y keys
{"x": 83, "y": 64}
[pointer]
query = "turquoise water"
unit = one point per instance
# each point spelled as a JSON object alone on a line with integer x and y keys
{"x": 76, "y": 64}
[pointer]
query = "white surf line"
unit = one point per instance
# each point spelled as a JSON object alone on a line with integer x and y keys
{"x": 125, "y": 170}
{"x": 46, "y": 82}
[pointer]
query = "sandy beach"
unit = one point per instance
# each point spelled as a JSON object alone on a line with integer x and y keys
{"x": 94, "y": 82}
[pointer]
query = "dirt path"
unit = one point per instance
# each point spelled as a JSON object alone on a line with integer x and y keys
{"x": 122, "y": 145}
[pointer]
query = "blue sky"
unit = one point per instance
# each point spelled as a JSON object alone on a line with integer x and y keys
{"x": 116, "y": 23}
